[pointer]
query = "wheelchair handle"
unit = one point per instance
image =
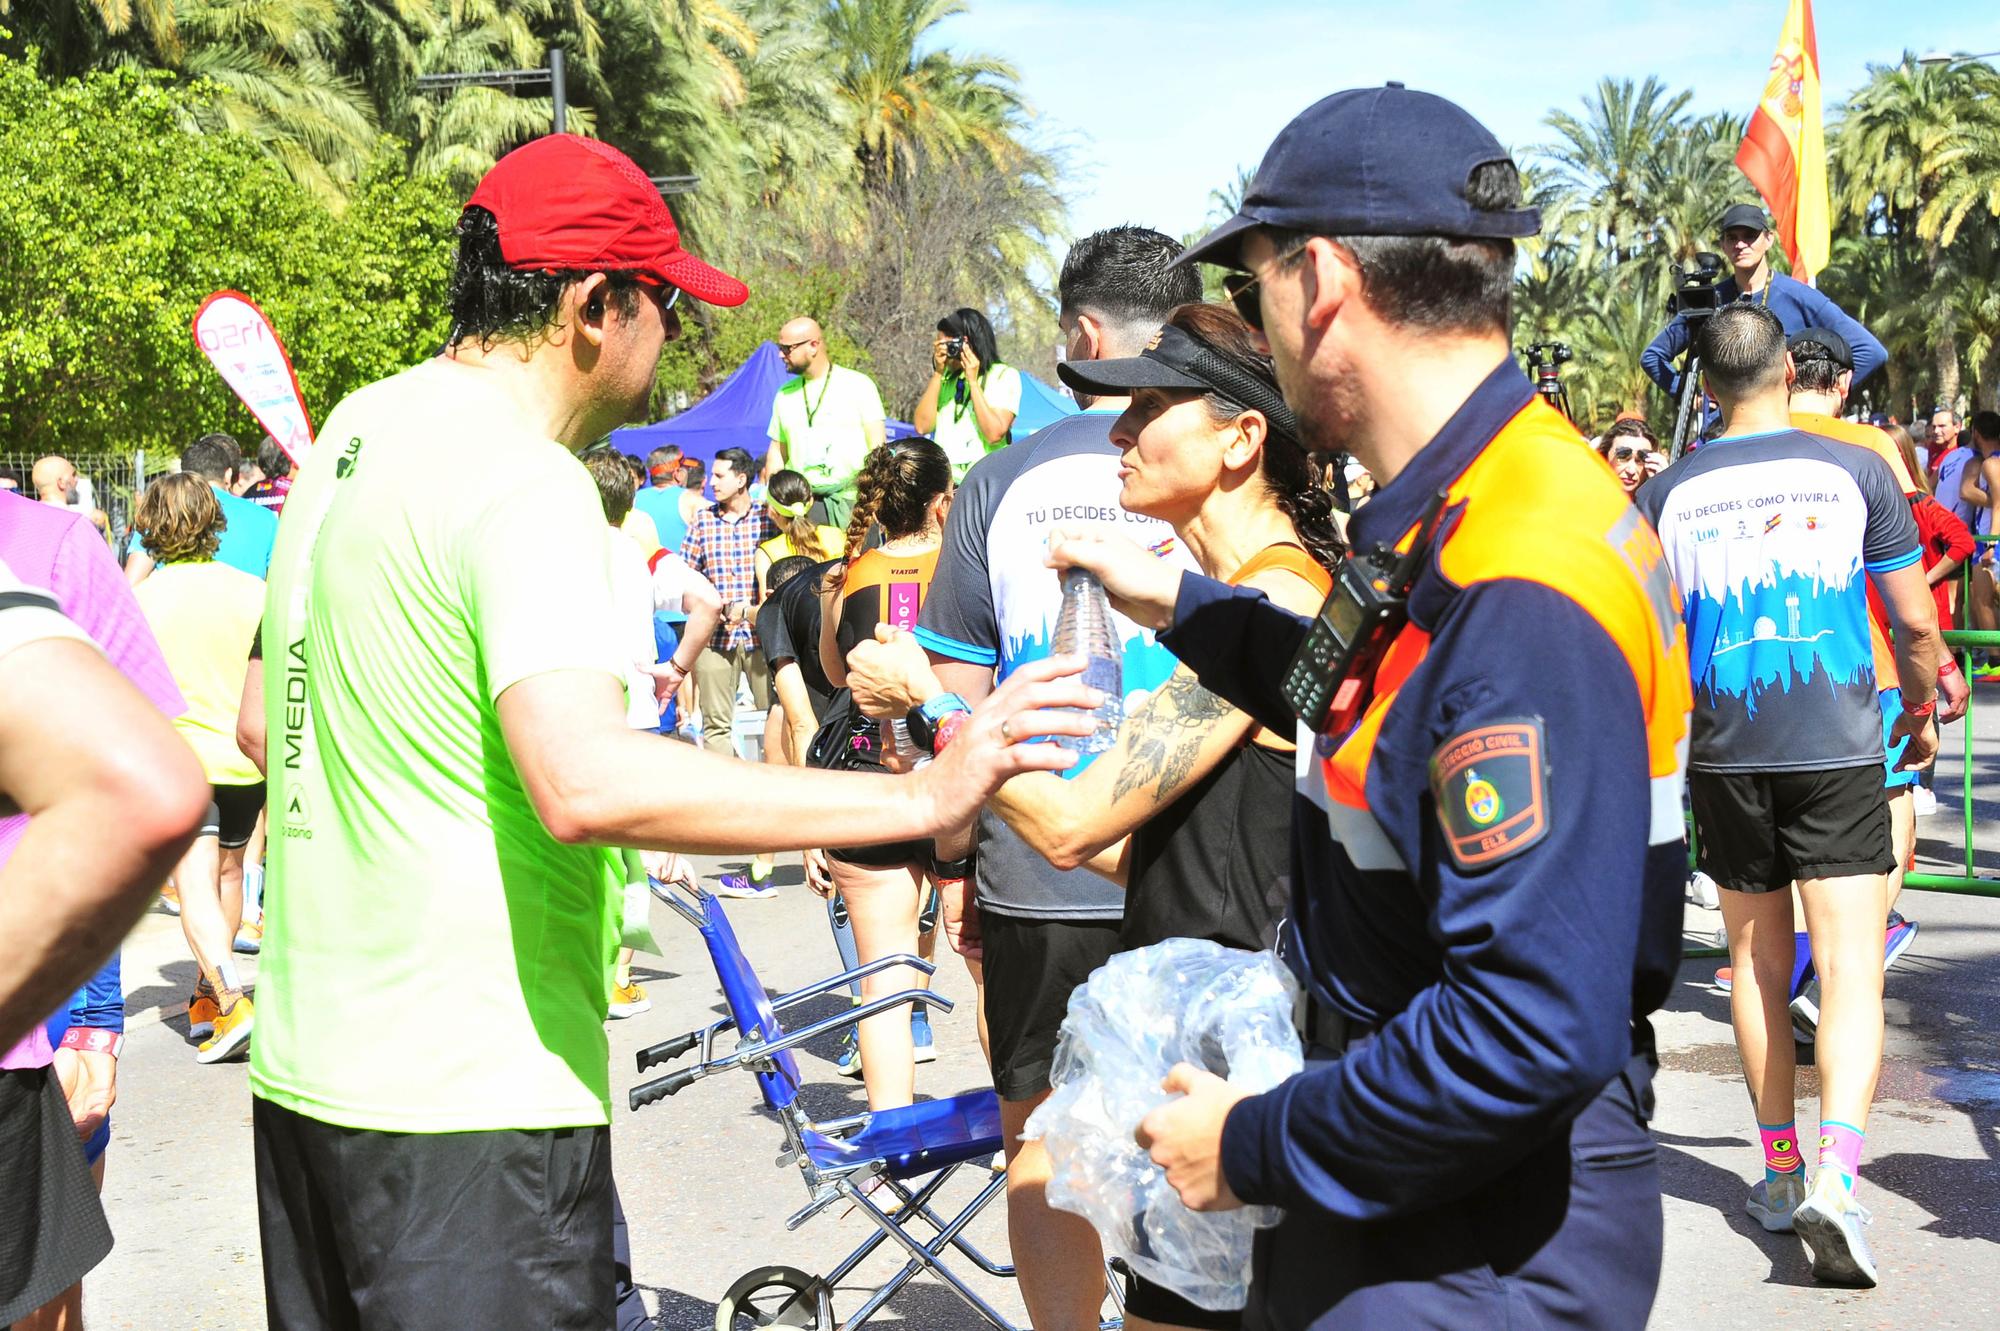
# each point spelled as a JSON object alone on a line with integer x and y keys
{"x": 666, "y": 1051}
{"x": 659, "y": 1089}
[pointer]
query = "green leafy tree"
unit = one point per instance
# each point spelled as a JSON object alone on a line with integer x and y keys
{"x": 117, "y": 219}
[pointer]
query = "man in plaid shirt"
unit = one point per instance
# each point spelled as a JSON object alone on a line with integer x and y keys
{"x": 722, "y": 546}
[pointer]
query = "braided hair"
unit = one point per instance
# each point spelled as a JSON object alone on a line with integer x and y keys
{"x": 1294, "y": 478}
{"x": 896, "y": 487}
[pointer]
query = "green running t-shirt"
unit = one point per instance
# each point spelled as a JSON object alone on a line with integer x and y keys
{"x": 434, "y": 960}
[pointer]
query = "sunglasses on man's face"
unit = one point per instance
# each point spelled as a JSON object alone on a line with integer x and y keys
{"x": 1241, "y": 289}
{"x": 787, "y": 348}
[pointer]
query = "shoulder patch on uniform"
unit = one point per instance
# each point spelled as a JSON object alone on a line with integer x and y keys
{"x": 1491, "y": 791}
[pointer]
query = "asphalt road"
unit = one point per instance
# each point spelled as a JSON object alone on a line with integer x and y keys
{"x": 708, "y": 1199}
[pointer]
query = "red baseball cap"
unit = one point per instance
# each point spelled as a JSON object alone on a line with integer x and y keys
{"x": 564, "y": 201}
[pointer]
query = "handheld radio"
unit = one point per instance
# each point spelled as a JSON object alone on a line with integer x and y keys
{"x": 1328, "y": 681}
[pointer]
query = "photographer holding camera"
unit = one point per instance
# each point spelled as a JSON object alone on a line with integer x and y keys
{"x": 970, "y": 403}
{"x": 1746, "y": 243}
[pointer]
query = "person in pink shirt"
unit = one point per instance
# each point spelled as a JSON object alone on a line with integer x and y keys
{"x": 116, "y": 796}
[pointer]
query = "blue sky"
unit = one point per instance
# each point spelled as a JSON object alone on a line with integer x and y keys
{"x": 1158, "y": 101}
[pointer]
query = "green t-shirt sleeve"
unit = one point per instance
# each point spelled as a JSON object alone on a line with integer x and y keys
{"x": 537, "y": 577}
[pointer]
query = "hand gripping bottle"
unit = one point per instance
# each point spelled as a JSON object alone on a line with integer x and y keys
{"x": 1085, "y": 629}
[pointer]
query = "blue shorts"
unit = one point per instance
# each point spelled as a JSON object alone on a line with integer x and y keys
{"x": 1892, "y": 707}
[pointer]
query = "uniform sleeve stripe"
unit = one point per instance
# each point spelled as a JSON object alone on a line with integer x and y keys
{"x": 956, "y": 650}
{"x": 1902, "y": 561}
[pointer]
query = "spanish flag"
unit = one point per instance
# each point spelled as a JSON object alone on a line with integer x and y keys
{"x": 1784, "y": 149}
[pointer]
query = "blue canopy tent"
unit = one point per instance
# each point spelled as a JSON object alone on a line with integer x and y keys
{"x": 1040, "y": 405}
{"x": 738, "y": 413}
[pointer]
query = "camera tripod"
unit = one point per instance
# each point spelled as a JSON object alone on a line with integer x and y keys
{"x": 1688, "y": 408}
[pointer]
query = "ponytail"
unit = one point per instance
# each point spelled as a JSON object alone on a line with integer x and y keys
{"x": 1304, "y": 498}
{"x": 868, "y": 491}
{"x": 790, "y": 497}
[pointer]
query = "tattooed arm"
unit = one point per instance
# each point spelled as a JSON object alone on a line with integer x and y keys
{"x": 1180, "y": 734}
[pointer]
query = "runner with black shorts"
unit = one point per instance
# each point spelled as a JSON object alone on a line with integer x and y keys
{"x": 1191, "y": 809}
{"x": 1773, "y": 535}
{"x": 1037, "y": 932}
{"x": 906, "y": 487}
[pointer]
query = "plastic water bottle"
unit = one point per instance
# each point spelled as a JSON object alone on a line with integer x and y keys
{"x": 1085, "y": 629}
{"x": 906, "y": 748}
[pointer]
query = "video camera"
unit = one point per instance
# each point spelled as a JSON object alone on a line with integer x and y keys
{"x": 1695, "y": 291}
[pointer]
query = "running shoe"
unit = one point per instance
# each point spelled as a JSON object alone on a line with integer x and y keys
{"x": 250, "y": 938}
{"x": 1830, "y": 1221}
{"x": 849, "y": 1062}
{"x": 170, "y": 899}
{"x": 1772, "y": 1200}
{"x": 629, "y": 1000}
{"x": 920, "y": 1036}
{"x": 202, "y": 1011}
{"x": 740, "y": 885}
{"x": 232, "y": 1033}
{"x": 1725, "y": 979}
{"x": 1985, "y": 671}
{"x": 1896, "y": 939}
{"x": 1923, "y": 801}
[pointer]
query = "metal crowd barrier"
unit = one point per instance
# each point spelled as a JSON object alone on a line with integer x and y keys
{"x": 1963, "y": 642}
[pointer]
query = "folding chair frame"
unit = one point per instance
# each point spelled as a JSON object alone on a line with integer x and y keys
{"x": 827, "y": 1185}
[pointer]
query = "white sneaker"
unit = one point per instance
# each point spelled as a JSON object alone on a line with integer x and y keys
{"x": 1830, "y": 1221}
{"x": 1772, "y": 1201}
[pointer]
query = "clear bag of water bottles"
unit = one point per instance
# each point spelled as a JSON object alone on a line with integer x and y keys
{"x": 1185, "y": 1000}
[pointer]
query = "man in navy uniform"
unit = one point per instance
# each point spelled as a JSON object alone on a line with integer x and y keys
{"x": 1489, "y": 862}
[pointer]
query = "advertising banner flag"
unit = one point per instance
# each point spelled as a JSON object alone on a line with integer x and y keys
{"x": 239, "y": 341}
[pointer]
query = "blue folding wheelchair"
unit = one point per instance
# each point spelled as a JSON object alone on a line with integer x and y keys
{"x": 912, "y": 1151}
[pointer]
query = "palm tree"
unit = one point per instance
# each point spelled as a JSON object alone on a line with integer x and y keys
{"x": 904, "y": 103}
{"x": 1694, "y": 179}
{"x": 1896, "y": 149}
{"x": 1605, "y": 162}
{"x": 1968, "y": 164}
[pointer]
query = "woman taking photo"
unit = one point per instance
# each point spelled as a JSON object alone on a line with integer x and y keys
{"x": 1191, "y": 808}
{"x": 789, "y": 500}
{"x": 970, "y": 403}
{"x": 906, "y": 487}
{"x": 205, "y": 615}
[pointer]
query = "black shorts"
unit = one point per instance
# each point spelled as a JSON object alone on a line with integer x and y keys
{"x": 1157, "y": 1303}
{"x": 1031, "y": 968}
{"x": 1763, "y": 831}
{"x": 232, "y": 814}
{"x": 52, "y": 1227}
{"x": 509, "y": 1228}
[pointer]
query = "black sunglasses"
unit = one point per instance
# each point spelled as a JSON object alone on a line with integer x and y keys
{"x": 1241, "y": 288}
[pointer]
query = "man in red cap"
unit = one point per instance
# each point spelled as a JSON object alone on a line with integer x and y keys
{"x": 448, "y": 760}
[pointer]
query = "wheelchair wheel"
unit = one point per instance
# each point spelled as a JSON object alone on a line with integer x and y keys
{"x": 781, "y": 1296}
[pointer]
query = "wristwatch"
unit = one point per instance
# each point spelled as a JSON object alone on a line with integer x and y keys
{"x": 923, "y": 721}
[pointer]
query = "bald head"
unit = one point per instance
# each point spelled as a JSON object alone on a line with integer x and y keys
{"x": 803, "y": 346}
{"x": 54, "y": 478}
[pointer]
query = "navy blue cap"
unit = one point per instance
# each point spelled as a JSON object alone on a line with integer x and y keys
{"x": 1371, "y": 162}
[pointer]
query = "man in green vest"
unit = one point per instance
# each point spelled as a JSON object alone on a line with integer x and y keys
{"x": 824, "y": 423}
